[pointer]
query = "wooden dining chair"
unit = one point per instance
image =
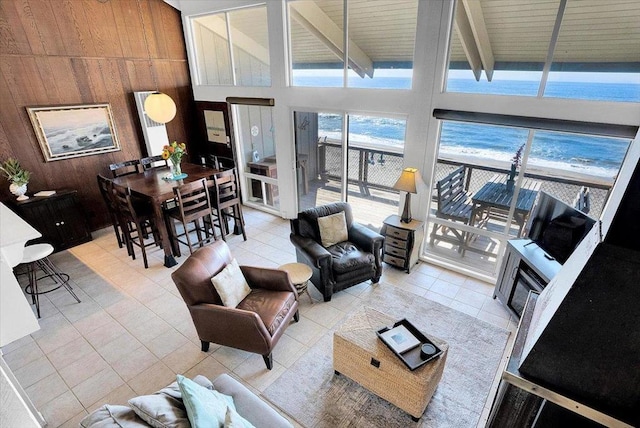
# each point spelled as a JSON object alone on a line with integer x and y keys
{"x": 153, "y": 162}
{"x": 227, "y": 203}
{"x": 125, "y": 168}
{"x": 106, "y": 190}
{"x": 134, "y": 218}
{"x": 193, "y": 203}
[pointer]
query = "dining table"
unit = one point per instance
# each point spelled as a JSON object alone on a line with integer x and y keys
{"x": 495, "y": 197}
{"x": 156, "y": 186}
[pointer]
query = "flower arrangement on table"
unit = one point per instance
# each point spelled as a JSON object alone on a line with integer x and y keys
{"x": 174, "y": 153}
{"x": 516, "y": 161}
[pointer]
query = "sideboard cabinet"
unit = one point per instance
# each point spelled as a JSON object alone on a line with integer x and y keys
{"x": 59, "y": 218}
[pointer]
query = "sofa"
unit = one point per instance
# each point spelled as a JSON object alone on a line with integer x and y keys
{"x": 166, "y": 409}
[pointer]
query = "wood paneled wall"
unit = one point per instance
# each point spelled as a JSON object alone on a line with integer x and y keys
{"x": 56, "y": 52}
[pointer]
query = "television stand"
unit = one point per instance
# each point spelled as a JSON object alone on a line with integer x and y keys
{"x": 525, "y": 267}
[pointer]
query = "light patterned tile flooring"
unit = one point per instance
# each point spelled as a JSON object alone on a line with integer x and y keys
{"x": 132, "y": 333}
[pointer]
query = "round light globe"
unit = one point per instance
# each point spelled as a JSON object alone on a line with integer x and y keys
{"x": 160, "y": 107}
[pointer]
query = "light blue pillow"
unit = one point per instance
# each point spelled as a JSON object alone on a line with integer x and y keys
{"x": 234, "y": 420}
{"x": 204, "y": 406}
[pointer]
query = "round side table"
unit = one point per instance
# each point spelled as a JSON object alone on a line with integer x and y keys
{"x": 300, "y": 275}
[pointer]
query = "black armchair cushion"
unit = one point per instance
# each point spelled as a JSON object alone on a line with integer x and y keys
{"x": 347, "y": 258}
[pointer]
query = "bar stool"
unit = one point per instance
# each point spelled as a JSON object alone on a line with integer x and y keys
{"x": 37, "y": 256}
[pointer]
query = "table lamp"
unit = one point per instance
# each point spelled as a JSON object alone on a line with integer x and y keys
{"x": 408, "y": 182}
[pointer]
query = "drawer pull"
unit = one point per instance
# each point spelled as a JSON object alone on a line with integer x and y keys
{"x": 375, "y": 363}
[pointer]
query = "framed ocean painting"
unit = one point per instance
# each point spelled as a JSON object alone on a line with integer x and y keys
{"x": 72, "y": 131}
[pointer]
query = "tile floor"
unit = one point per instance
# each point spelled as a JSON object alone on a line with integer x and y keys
{"x": 132, "y": 332}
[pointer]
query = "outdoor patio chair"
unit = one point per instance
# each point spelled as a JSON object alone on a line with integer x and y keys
{"x": 453, "y": 203}
{"x": 581, "y": 201}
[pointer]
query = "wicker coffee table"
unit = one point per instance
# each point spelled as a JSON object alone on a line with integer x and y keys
{"x": 360, "y": 355}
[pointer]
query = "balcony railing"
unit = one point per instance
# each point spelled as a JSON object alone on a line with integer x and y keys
{"x": 373, "y": 168}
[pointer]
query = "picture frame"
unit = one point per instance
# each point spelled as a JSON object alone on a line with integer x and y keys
{"x": 72, "y": 131}
{"x": 399, "y": 339}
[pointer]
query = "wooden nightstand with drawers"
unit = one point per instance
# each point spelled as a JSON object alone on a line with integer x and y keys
{"x": 401, "y": 242}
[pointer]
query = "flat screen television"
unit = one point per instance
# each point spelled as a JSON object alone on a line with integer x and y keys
{"x": 557, "y": 227}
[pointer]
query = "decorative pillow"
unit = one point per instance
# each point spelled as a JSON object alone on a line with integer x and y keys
{"x": 231, "y": 285}
{"x": 160, "y": 411}
{"x": 109, "y": 416}
{"x": 333, "y": 229}
{"x": 233, "y": 420}
{"x": 204, "y": 407}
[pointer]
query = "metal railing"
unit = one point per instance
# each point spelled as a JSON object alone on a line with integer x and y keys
{"x": 379, "y": 169}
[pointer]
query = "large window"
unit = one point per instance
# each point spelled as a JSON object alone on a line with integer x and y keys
{"x": 587, "y": 49}
{"x": 500, "y": 47}
{"x": 488, "y": 157}
{"x": 598, "y": 46}
{"x": 232, "y": 48}
{"x": 381, "y": 38}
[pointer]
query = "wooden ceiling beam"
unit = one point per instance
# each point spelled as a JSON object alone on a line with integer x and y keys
{"x": 475, "y": 18}
{"x": 314, "y": 20}
{"x": 467, "y": 40}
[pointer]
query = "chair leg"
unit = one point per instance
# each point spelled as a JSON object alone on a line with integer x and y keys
{"x": 268, "y": 360}
{"x": 204, "y": 346}
{"x": 33, "y": 285}
{"x": 144, "y": 252}
{"x": 49, "y": 268}
{"x": 223, "y": 222}
{"x": 115, "y": 229}
{"x": 240, "y": 220}
{"x": 171, "y": 229}
{"x": 296, "y": 316}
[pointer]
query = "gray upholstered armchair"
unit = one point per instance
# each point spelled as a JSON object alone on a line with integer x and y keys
{"x": 341, "y": 265}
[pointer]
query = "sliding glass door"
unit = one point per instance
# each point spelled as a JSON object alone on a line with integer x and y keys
{"x": 358, "y": 163}
{"x": 257, "y": 156}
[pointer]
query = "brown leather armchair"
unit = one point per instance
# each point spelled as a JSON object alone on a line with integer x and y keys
{"x": 341, "y": 265}
{"x": 258, "y": 321}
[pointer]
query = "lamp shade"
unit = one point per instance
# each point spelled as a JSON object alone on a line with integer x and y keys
{"x": 409, "y": 180}
{"x": 160, "y": 107}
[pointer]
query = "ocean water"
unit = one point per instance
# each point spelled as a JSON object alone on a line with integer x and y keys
{"x": 572, "y": 153}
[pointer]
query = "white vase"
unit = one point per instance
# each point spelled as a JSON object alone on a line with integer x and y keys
{"x": 19, "y": 191}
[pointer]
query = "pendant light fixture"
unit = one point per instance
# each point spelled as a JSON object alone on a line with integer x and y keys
{"x": 158, "y": 106}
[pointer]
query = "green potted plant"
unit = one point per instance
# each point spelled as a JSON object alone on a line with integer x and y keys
{"x": 18, "y": 176}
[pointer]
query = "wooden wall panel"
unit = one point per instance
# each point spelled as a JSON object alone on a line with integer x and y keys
{"x": 59, "y": 52}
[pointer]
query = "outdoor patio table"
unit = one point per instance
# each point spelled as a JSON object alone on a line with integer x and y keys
{"x": 494, "y": 197}
{"x": 152, "y": 186}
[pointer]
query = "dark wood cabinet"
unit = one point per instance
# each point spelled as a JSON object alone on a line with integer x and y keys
{"x": 59, "y": 218}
